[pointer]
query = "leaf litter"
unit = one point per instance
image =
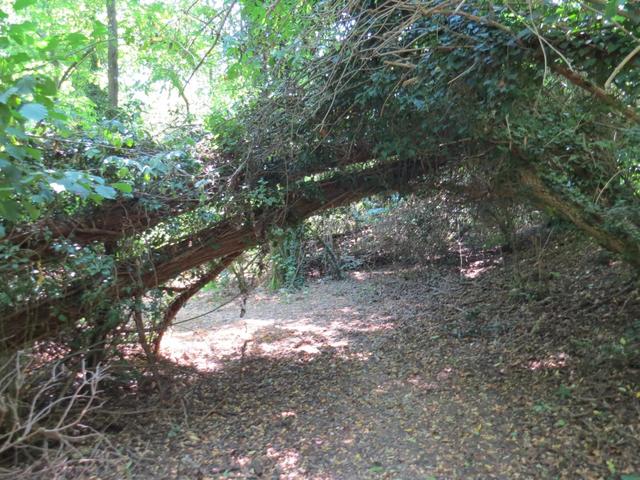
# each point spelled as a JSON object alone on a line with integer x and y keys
{"x": 405, "y": 373}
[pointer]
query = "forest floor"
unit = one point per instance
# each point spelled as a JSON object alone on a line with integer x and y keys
{"x": 524, "y": 367}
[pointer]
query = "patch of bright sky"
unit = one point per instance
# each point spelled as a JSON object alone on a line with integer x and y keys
{"x": 163, "y": 106}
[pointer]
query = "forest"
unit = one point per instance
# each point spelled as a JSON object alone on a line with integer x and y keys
{"x": 320, "y": 239}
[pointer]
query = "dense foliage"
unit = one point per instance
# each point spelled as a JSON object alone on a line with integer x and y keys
{"x": 240, "y": 119}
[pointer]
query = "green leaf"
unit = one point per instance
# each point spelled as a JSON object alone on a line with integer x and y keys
{"x": 106, "y": 192}
{"x": 99, "y": 29}
{"x": 123, "y": 187}
{"x": 20, "y": 57}
{"x": 20, "y": 4}
{"x": 233, "y": 71}
{"x": 47, "y": 86}
{"x": 15, "y": 151}
{"x": 9, "y": 209}
{"x": 76, "y": 39}
{"x": 71, "y": 183}
{"x": 16, "y": 132}
{"x": 122, "y": 172}
{"x": 32, "y": 210}
{"x": 612, "y": 8}
{"x": 96, "y": 198}
{"x": 33, "y": 111}
{"x": 26, "y": 85}
{"x": 2, "y": 231}
{"x": 7, "y": 94}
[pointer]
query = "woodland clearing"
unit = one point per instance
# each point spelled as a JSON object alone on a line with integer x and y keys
{"x": 320, "y": 239}
{"x": 402, "y": 373}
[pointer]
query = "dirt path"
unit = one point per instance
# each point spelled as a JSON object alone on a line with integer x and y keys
{"x": 398, "y": 374}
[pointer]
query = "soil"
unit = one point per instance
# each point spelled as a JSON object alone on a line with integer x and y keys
{"x": 524, "y": 367}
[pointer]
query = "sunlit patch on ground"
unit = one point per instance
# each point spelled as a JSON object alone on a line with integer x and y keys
{"x": 394, "y": 376}
{"x": 207, "y": 342}
{"x": 476, "y": 268}
{"x": 288, "y": 464}
{"x": 551, "y": 362}
{"x": 360, "y": 276}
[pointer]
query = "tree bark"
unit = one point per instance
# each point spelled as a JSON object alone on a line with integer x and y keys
{"x": 112, "y": 56}
{"x": 623, "y": 242}
{"x": 121, "y": 218}
{"x": 230, "y": 237}
{"x": 598, "y": 92}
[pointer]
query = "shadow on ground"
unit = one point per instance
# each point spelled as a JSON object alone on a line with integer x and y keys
{"x": 404, "y": 374}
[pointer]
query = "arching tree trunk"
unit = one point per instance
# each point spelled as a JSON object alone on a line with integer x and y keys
{"x": 227, "y": 238}
{"x": 625, "y": 241}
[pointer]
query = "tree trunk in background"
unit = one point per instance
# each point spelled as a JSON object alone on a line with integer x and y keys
{"x": 112, "y": 56}
{"x": 594, "y": 223}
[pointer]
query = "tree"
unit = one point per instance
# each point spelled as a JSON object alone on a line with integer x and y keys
{"x": 112, "y": 57}
{"x": 346, "y": 99}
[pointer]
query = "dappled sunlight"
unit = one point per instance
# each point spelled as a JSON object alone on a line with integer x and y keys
{"x": 303, "y": 333}
{"x": 477, "y": 268}
{"x": 372, "y": 240}
{"x": 421, "y": 383}
{"x": 363, "y": 379}
{"x": 288, "y": 462}
{"x": 368, "y": 379}
{"x": 551, "y": 362}
{"x": 360, "y": 276}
